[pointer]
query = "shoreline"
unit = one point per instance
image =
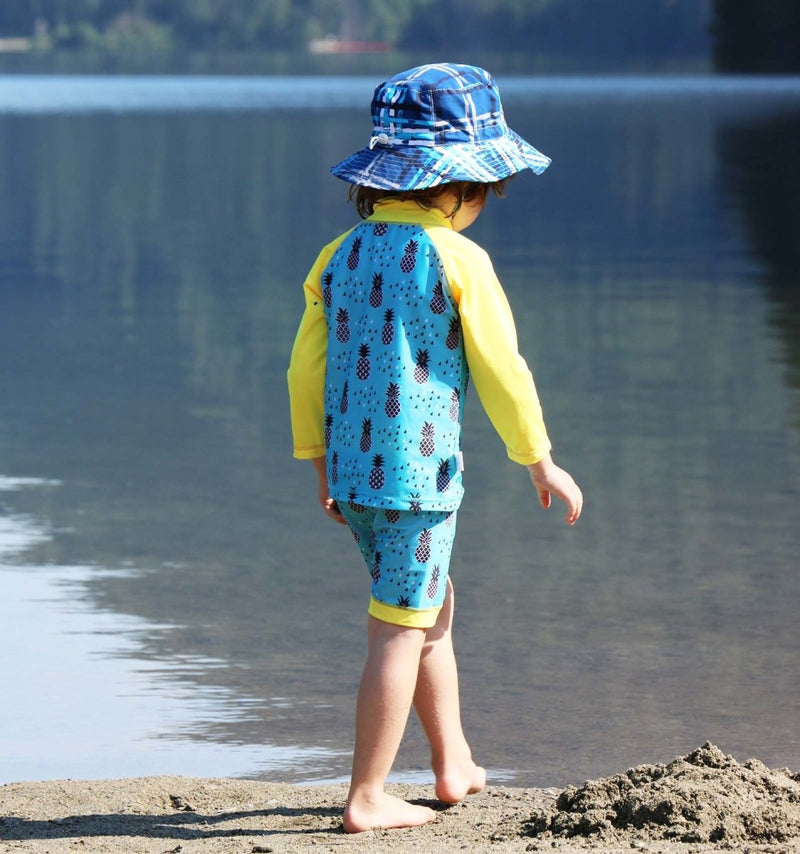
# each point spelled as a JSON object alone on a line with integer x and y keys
{"x": 705, "y": 801}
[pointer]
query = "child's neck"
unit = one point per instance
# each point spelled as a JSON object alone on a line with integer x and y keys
{"x": 460, "y": 216}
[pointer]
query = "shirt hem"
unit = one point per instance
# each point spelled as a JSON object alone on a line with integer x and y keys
{"x": 393, "y": 503}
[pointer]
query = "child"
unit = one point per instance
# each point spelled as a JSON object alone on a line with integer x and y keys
{"x": 399, "y": 311}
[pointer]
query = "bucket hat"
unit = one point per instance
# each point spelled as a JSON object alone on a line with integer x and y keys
{"x": 435, "y": 124}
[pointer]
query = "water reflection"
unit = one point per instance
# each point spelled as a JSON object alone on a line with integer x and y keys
{"x": 149, "y": 269}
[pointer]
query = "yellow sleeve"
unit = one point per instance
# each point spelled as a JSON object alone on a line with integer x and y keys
{"x": 501, "y": 377}
{"x": 306, "y": 375}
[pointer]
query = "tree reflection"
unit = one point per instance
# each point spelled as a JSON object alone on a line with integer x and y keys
{"x": 759, "y": 173}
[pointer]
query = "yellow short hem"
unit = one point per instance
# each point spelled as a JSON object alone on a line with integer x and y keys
{"x": 417, "y": 619}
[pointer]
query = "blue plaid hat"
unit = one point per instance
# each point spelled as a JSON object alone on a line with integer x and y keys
{"x": 436, "y": 124}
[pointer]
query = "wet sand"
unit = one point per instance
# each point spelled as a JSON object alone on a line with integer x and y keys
{"x": 704, "y": 801}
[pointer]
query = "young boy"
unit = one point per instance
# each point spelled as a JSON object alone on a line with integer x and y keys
{"x": 399, "y": 312}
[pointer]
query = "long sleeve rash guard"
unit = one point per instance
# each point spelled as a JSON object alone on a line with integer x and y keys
{"x": 400, "y": 311}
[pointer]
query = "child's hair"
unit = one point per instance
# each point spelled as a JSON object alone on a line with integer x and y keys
{"x": 365, "y": 198}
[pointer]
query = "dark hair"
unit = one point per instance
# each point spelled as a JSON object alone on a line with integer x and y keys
{"x": 365, "y": 198}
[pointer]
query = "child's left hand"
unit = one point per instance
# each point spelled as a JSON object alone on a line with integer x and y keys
{"x": 550, "y": 480}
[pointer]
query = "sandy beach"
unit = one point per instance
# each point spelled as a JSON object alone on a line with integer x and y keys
{"x": 703, "y": 801}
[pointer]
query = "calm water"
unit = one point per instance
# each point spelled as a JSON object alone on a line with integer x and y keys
{"x": 174, "y": 601}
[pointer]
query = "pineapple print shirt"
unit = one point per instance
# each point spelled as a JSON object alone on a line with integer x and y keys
{"x": 399, "y": 311}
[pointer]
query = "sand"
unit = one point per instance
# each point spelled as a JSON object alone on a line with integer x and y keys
{"x": 704, "y": 801}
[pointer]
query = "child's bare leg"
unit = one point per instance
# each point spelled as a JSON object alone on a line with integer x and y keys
{"x": 437, "y": 704}
{"x": 384, "y": 702}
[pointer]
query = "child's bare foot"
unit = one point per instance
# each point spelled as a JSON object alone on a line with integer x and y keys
{"x": 384, "y": 812}
{"x": 459, "y": 780}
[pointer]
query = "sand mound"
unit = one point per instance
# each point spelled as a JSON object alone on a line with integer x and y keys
{"x": 705, "y": 796}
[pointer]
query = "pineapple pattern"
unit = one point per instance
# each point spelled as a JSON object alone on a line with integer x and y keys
{"x": 407, "y": 555}
{"x": 443, "y": 476}
{"x": 433, "y": 584}
{"x": 396, "y": 371}
{"x": 392, "y": 406}
{"x": 387, "y": 333}
{"x": 362, "y": 365}
{"x": 423, "y": 551}
{"x": 365, "y": 442}
{"x": 376, "y": 293}
{"x": 438, "y": 302}
{"x": 453, "y": 338}
{"x": 427, "y": 444}
{"x": 353, "y": 504}
{"x": 343, "y": 325}
{"x": 421, "y": 371}
{"x": 376, "y": 476}
{"x": 327, "y": 280}
{"x": 454, "y": 410}
{"x": 355, "y": 254}
{"x": 409, "y": 259}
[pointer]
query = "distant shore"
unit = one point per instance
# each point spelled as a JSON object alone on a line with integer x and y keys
{"x": 705, "y": 801}
{"x": 18, "y": 44}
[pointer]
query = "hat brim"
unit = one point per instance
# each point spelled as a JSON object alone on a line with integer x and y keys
{"x": 417, "y": 167}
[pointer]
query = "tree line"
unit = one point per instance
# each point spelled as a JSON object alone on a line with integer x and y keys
{"x": 738, "y": 35}
{"x": 602, "y": 27}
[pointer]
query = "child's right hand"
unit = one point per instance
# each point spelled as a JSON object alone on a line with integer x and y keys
{"x": 549, "y": 480}
{"x": 327, "y": 503}
{"x": 331, "y": 509}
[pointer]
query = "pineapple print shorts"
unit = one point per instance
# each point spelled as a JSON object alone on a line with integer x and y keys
{"x": 408, "y": 557}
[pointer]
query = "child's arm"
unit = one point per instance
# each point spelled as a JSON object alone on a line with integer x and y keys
{"x": 499, "y": 374}
{"x": 328, "y": 503}
{"x": 306, "y": 375}
{"x": 549, "y": 480}
{"x": 306, "y": 378}
{"x": 501, "y": 377}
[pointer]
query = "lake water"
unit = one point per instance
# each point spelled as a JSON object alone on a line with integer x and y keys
{"x": 173, "y": 600}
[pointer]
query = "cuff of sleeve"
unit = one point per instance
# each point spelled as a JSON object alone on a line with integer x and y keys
{"x": 529, "y": 457}
{"x": 309, "y": 452}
